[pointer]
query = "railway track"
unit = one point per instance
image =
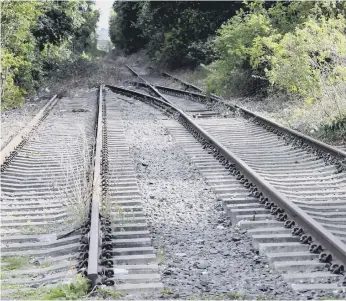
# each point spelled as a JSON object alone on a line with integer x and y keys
{"x": 297, "y": 197}
{"x": 44, "y": 186}
{"x": 285, "y": 189}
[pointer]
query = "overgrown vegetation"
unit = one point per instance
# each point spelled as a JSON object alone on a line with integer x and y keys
{"x": 13, "y": 263}
{"x": 295, "y": 48}
{"x": 299, "y": 58}
{"x": 37, "y": 38}
{"x": 73, "y": 289}
{"x": 109, "y": 293}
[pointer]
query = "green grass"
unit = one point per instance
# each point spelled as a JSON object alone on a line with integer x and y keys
{"x": 332, "y": 298}
{"x": 166, "y": 292}
{"x": 14, "y": 263}
{"x": 46, "y": 264}
{"x": 74, "y": 290}
{"x": 335, "y": 130}
{"x": 235, "y": 296}
{"x": 24, "y": 295}
{"x": 265, "y": 297}
{"x": 10, "y": 286}
{"x": 106, "y": 292}
{"x": 4, "y": 276}
{"x": 227, "y": 296}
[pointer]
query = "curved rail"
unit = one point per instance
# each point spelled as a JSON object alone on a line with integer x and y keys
{"x": 146, "y": 83}
{"x": 323, "y": 236}
{"x": 319, "y": 145}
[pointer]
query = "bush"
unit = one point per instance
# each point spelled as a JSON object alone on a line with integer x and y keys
{"x": 296, "y": 47}
{"x": 299, "y": 61}
{"x": 234, "y": 46}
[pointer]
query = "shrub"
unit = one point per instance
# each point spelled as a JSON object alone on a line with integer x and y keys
{"x": 9, "y": 91}
{"x": 234, "y": 45}
{"x": 298, "y": 61}
{"x": 296, "y": 47}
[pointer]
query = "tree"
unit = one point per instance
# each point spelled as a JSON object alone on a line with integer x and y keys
{"x": 122, "y": 27}
{"x": 38, "y": 36}
{"x": 174, "y": 33}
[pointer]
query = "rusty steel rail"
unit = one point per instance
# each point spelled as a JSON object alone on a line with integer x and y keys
{"x": 94, "y": 234}
{"x": 336, "y": 247}
{"x": 319, "y": 145}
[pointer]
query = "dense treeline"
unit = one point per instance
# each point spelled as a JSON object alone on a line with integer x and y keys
{"x": 175, "y": 33}
{"x": 39, "y": 36}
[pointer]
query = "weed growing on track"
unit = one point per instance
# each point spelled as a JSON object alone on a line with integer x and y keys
{"x": 235, "y": 296}
{"x": 70, "y": 290}
{"x": 78, "y": 185}
{"x": 265, "y": 297}
{"x": 106, "y": 292}
{"x": 166, "y": 292}
{"x": 106, "y": 207}
{"x": 14, "y": 263}
{"x": 32, "y": 229}
{"x": 4, "y": 276}
{"x": 119, "y": 211}
{"x": 11, "y": 286}
{"x": 227, "y": 296}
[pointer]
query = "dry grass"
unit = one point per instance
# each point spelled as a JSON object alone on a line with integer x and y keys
{"x": 79, "y": 177}
{"x": 89, "y": 74}
{"x": 75, "y": 163}
{"x": 196, "y": 77}
{"x": 309, "y": 118}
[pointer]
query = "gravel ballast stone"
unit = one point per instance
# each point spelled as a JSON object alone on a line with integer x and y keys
{"x": 14, "y": 120}
{"x": 200, "y": 252}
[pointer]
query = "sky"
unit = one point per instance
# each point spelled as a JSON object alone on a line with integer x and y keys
{"x": 105, "y": 7}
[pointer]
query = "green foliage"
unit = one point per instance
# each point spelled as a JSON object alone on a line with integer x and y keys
{"x": 166, "y": 292}
{"x": 298, "y": 47}
{"x": 122, "y": 26}
{"x": 335, "y": 129}
{"x": 234, "y": 46}
{"x": 175, "y": 33}
{"x": 71, "y": 290}
{"x": 108, "y": 292}
{"x": 36, "y": 37}
{"x": 14, "y": 263}
{"x": 17, "y": 49}
{"x": 299, "y": 61}
{"x": 235, "y": 296}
